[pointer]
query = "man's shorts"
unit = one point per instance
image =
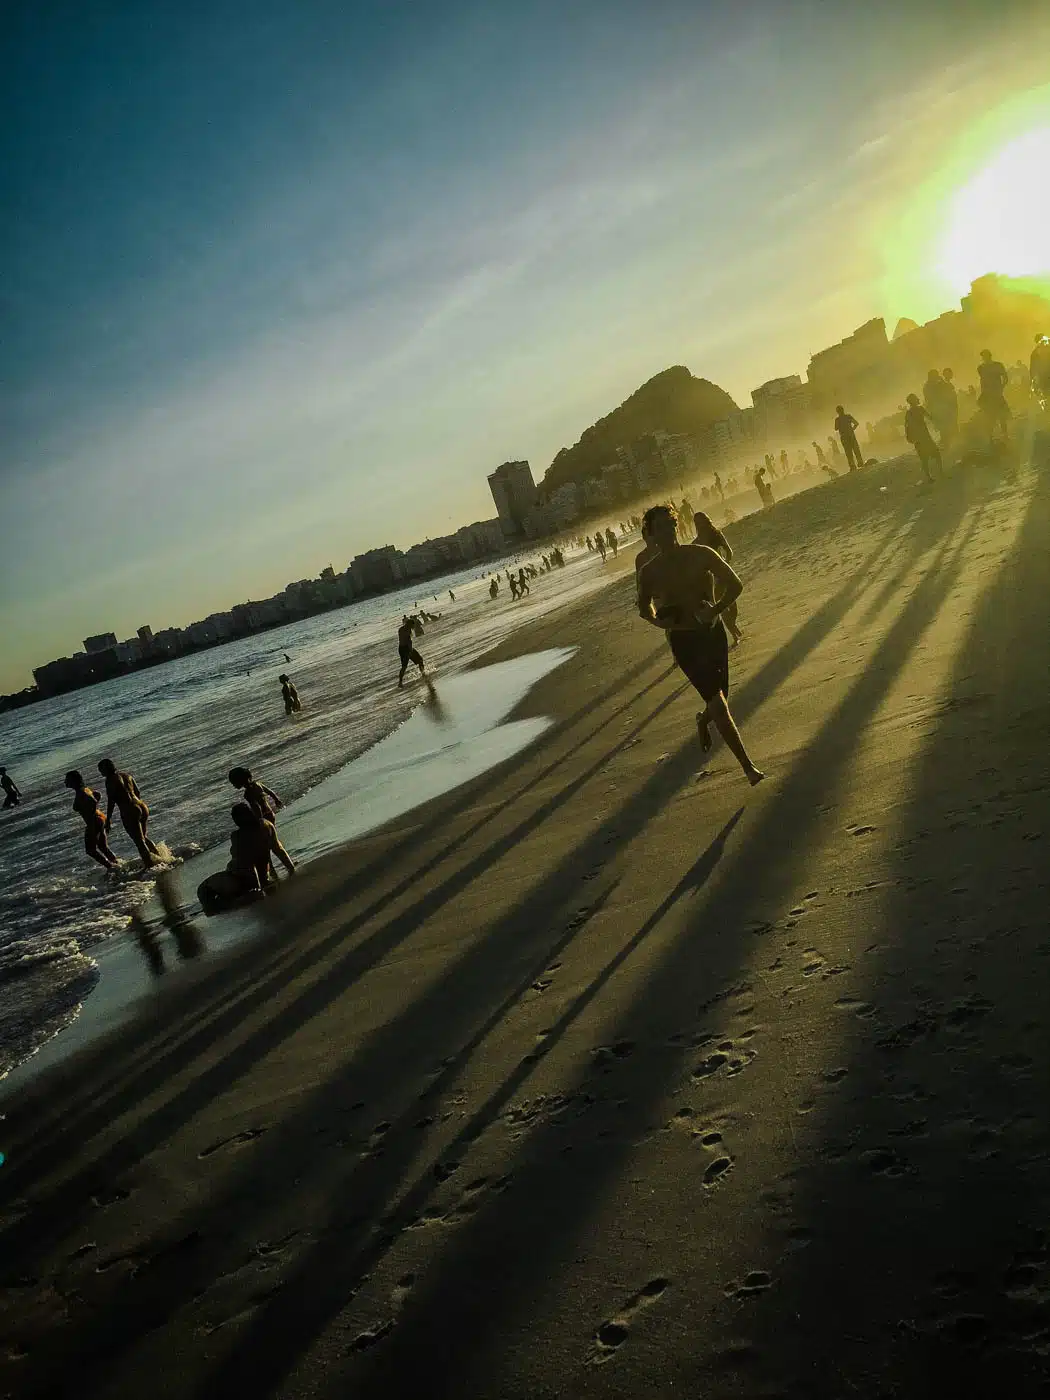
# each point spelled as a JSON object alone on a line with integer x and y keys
{"x": 408, "y": 654}
{"x": 703, "y": 656}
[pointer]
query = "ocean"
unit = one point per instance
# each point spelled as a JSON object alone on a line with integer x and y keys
{"x": 179, "y": 728}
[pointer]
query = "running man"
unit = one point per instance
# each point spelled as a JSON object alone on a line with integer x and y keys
{"x": 122, "y": 792}
{"x": 708, "y": 533}
{"x": 677, "y": 592}
{"x": 917, "y": 431}
{"x": 992, "y": 398}
{"x": 406, "y": 650}
{"x": 12, "y": 792}
{"x": 86, "y": 804}
{"x": 846, "y": 426}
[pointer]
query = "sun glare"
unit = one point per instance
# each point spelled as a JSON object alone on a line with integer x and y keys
{"x": 1000, "y": 220}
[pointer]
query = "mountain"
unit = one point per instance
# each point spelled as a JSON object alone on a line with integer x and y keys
{"x": 672, "y": 400}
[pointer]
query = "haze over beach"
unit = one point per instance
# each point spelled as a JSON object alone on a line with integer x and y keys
{"x": 550, "y": 898}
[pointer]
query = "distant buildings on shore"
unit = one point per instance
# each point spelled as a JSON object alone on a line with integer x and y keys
{"x": 375, "y": 571}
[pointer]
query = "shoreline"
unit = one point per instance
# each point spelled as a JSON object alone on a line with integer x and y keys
{"x": 606, "y": 1074}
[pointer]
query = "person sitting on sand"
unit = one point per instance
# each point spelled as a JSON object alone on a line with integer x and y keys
{"x": 292, "y": 704}
{"x": 684, "y": 591}
{"x": 122, "y": 792}
{"x": 12, "y": 792}
{"x": 86, "y": 804}
{"x": 252, "y": 843}
{"x": 406, "y": 650}
{"x": 263, "y": 801}
{"x": 708, "y": 534}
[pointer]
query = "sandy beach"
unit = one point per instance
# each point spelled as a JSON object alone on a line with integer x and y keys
{"x": 605, "y": 1074}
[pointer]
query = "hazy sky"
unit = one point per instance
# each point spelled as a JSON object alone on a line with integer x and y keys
{"x": 284, "y": 281}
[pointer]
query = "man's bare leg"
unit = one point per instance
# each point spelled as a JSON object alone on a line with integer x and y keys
{"x": 718, "y": 712}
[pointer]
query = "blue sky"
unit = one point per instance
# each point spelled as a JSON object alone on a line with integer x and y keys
{"x": 284, "y": 281}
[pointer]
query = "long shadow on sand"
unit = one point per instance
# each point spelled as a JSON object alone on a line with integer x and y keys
{"x": 925, "y": 1189}
{"x": 481, "y": 980}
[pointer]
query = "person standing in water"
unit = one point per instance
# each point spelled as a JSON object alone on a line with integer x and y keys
{"x": 846, "y": 426}
{"x": 86, "y": 805}
{"x": 684, "y": 591}
{"x": 292, "y": 704}
{"x": 122, "y": 792}
{"x": 12, "y": 792}
{"x": 708, "y": 534}
{"x": 407, "y": 652}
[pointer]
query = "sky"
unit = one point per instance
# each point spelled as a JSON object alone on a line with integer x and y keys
{"x": 282, "y": 282}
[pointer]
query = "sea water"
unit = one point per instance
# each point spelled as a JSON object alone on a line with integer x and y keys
{"x": 179, "y": 727}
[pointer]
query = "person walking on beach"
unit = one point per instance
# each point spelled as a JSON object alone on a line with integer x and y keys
{"x": 610, "y": 540}
{"x": 12, "y": 792}
{"x": 292, "y": 704}
{"x": 122, "y": 792}
{"x": 846, "y": 426}
{"x": 406, "y": 649}
{"x": 708, "y": 534}
{"x": 917, "y": 431}
{"x": 684, "y": 591}
{"x": 523, "y": 583}
{"x": 86, "y": 805}
{"x": 992, "y": 398}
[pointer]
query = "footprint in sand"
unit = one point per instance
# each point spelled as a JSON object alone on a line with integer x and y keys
{"x": 232, "y": 1143}
{"x": 371, "y": 1335}
{"x": 757, "y": 1281}
{"x": 717, "y": 1171}
{"x": 610, "y": 1336}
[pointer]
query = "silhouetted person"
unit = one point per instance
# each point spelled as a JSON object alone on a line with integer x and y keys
{"x": 86, "y": 805}
{"x": 942, "y": 405}
{"x": 452, "y": 596}
{"x": 122, "y": 792}
{"x": 292, "y": 704}
{"x": 494, "y": 588}
{"x": 12, "y": 792}
{"x": 684, "y": 591}
{"x": 1039, "y": 369}
{"x": 406, "y": 650}
{"x": 610, "y": 540}
{"x": 718, "y": 487}
{"x": 917, "y": 431}
{"x": 846, "y": 427}
{"x": 252, "y": 844}
{"x": 765, "y": 491}
{"x": 785, "y": 463}
{"x": 836, "y": 451}
{"x": 262, "y": 800}
{"x": 523, "y": 584}
{"x": 514, "y": 589}
{"x": 287, "y": 657}
{"x": 822, "y": 461}
{"x": 708, "y": 534}
{"x": 992, "y": 398}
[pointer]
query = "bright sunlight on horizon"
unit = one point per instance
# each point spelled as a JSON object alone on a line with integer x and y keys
{"x": 1000, "y": 220}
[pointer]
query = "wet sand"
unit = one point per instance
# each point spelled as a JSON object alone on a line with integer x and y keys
{"x": 606, "y": 1074}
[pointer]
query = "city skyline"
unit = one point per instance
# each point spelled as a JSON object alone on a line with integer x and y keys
{"x": 371, "y": 302}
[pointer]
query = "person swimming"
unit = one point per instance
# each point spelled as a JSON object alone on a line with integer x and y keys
{"x": 86, "y": 805}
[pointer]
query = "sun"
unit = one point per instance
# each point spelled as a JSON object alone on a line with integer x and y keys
{"x": 1000, "y": 220}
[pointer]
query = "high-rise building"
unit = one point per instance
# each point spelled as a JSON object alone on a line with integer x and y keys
{"x": 514, "y": 492}
{"x": 105, "y": 641}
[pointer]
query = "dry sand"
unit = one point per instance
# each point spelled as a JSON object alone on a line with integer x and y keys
{"x": 607, "y": 1075}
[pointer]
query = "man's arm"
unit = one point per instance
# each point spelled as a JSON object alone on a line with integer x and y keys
{"x": 272, "y": 795}
{"x": 645, "y": 599}
{"x": 853, "y": 423}
{"x": 111, "y": 798}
